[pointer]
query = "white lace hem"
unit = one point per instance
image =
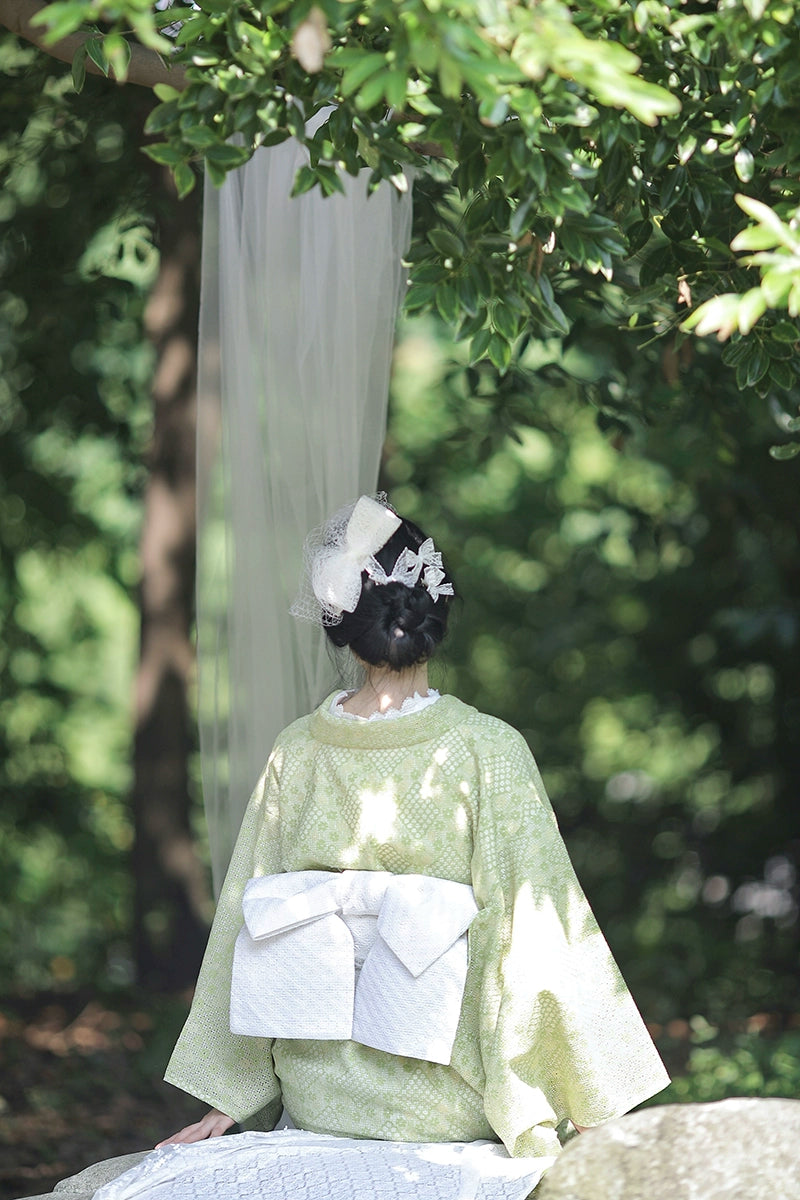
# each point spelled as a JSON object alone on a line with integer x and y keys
{"x": 411, "y": 704}
{"x": 306, "y": 1166}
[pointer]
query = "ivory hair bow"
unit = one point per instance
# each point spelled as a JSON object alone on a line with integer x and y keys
{"x": 336, "y": 577}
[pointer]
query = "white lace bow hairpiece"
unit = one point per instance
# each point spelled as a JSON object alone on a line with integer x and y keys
{"x": 337, "y": 552}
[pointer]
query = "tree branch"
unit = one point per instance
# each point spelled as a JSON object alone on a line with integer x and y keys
{"x": 146, "y": 67}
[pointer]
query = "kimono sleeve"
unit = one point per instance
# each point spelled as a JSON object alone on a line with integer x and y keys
{"x": 231, "y": 1072}
{"x": 560, "y": 1034}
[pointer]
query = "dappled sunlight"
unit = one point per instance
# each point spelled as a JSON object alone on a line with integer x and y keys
{"x": 461, "y": 814}
{"x": 552, "y": 921}
{"x": 409, "y": 814}
{"x": 378, "y": 814}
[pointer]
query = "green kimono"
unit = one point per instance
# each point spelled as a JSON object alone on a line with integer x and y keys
{"x": 548, "y": 1029}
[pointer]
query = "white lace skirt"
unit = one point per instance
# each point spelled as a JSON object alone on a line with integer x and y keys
{"x": 309, "y": 1166}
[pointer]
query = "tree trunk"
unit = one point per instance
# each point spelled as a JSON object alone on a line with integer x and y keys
{"x": 146, "y": 67}
{"x": 170, "y": 888}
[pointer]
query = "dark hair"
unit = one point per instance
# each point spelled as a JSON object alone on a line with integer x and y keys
{"x": 394, "y": 625}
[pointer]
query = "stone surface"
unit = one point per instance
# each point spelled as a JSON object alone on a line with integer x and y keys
{"x": 84, "y": 1185}
{"x": 744, "y": 1149}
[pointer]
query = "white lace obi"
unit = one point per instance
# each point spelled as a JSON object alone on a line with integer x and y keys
{"x": 364, "y": 955}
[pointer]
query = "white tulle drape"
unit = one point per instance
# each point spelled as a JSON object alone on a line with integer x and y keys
{"x": 298, "y": 306}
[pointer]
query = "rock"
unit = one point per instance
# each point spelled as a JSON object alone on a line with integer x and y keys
{"x": 731, "y": 1150}
{"x": 84, "y": 1185}
{"x": 90, "y": 1179}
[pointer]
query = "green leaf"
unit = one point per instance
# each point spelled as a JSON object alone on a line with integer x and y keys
{"x": 537, "y": 169}
{"x": 216, "y": 174}
{"x": 718, "y": 315}
{"x": 785, "y": 331}
{"x": 361, "y": 70}
{"x": 329, "y": 180}
{"x": 505, "y": 321}
{"x": 744, "y": 164}
{"x": 166, "y": 93}
{"x": 471, "y": 325}
{"x": 784, "y": 453}
{"x": 275, "y": 138}
{"x": 304, "y": 181}
{"x": 94, "y": 48}
{"x": 430, "y": 272}
{"x": 755, "y": 237}
{"x": 647, "y": 101}
{"x": 758, "y": 367}
{"x": 480, "y": 344}
{"x": 424, "y": 105}
{"x": 192, "y": 31}
{"x": 752, "y": 305}
{"x": 79, "y": 68}
{"x": 419, "y": 295}
{"x": 226, "y": 155}
{"x": 200, "y": 136}
{"x": 143, "y": 25}
{"x": 737, "y": 350}
{"x": 446, "y": 243}
{"x": 59, "y": 19}
{"x": 741, "y": 375}
{"x": 493, "y": 111}
{"x": 663, "y": 150}
{"x": 517, "y": 222}
{"x": 447, "y": 303}
{"x": 481, "y": 278}
{"x": 118, "y": 53}
{"x": 639, "y": 235}
{"x": 184, "y": 179}
{"x": 673, "y": 187}
{"x": 467, "y": 295}
{"x": 499, "y": 352}
{"x": 371, "y": 92}
{"x": 776, "y": 286}
{"x": 162, "y": 116}
{"x": 167, "y": 156}
{"x": 450, "y": 78}
{"x": 395, "y": 86}
{"x": 781, "y": 375}
{"x": 766, "y": 216}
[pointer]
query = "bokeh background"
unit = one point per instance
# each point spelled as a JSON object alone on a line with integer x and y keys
{"x": 628, "y": 558}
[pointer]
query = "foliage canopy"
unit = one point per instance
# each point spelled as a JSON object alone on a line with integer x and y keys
{"x": 551, "y": 143}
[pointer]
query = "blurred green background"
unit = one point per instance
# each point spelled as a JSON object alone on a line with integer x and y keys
{"x": 626, "y": 549}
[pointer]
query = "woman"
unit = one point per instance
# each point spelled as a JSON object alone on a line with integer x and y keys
{"x": 389, "y": 785}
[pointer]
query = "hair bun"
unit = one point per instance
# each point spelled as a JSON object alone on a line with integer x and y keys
{"x": 394, "y": 625}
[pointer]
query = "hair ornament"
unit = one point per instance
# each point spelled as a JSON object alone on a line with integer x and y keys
{"x": 336, "y": 554}
{"x": 426, "y": 561}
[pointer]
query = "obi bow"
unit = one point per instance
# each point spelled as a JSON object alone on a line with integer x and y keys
{"x": 364, "y": 955}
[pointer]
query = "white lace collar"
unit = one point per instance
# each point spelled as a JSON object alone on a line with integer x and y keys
{"x": 411, "y": 704}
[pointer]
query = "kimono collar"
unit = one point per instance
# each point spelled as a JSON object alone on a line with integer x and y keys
{"x": 412, "y": 728}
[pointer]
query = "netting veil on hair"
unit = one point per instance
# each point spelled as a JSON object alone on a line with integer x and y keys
{"x": 336, "y": 554}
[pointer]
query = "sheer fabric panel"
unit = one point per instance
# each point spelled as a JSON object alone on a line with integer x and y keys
{"x": 298, "y": 307}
